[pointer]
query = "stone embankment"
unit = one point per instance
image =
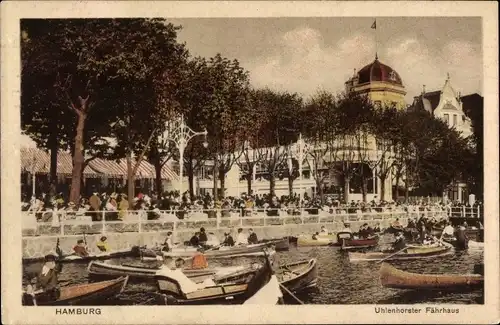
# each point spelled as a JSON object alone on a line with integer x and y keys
{"x": 124, "y": 235}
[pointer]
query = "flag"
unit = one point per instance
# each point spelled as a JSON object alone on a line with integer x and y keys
{"x": 374, "y": 25}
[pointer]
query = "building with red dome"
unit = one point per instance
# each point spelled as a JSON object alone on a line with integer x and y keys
{"x": 381, "y": 83}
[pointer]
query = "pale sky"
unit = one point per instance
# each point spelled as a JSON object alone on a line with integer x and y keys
{"x": 306, "y": 54}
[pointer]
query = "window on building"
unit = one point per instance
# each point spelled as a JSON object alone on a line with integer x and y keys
{"x": 447, "y": 118}
{"x": 454, "y": 119}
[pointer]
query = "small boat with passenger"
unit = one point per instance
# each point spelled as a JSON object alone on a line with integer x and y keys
{"x": 80, "y": 294}
{"x": 392, "y": 277}
{"x": 409, "y": 253}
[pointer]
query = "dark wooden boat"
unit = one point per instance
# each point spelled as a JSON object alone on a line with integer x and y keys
{"x": 298, "y": 276}
{"x": 82, "y": 294}
{"x": 393, "y": 278}
{"x": 280, "y": 245}
{"x": 221, "y": 294}
{"x": 73, "y": 258}
{"x": 351, "y": 243}
{"x": 411, "y": 252}
{"x": 99, "y": 270}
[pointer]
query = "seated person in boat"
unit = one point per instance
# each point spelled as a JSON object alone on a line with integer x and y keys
{"x": 323, "y": 230}
{"x": 81, "y": 249}
{"x": 396, "y": 224}
{"x": 167, "y": 244}
{"x": 315, "y": 236}
{"x": 347, "y": 228}
{"x": 195, "y": 240}
{"x": 448, "y": 232}
{"x": 241, "y": 239}
{"x": 411, "y": 224}
{"x": 252, "y": 237}
{"x": 173, "y": 270}
{"x": 103, "y": 244}
{"x": 199, "y": 261}
{"x": 203, "y": 236}
{"x": 376, "y": 228}
{"x": 363, "y": 231}
{"x": 228, "y": 240}
{"x": 47, "y": 283}
{"x": 462, "y": 239}
{"x": 427, "y": 240}
{"x": 400, "y": 243}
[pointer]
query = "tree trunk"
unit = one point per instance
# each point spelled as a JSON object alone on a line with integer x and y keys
{"x": 382, "y": 178}
{"x": 272, "y": 183}
{"x": 158, "y": 168}
{"x": 346, "y": 189}
{"x": 54, "y": 148}
{"x": 215, "y": 179}
{"x": 249, "y": 183}
{"x": 130, "y": 179}
{"x": 290, "y": 186}
{"x": 222, "y": 177}
{"x": 364, "y": 187}
{"x": 319, "y": 189}
{"x": 78, "y": 158}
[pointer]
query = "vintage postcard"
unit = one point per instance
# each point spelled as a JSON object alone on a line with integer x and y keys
{"x": 249, "y": 162}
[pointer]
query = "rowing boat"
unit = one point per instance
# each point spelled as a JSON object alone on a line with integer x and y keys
{"x": 410, "y": 253}
{"x": 352, "y": 244}
{"x": 81, "y": 294}
{"x": 214, "y": 293}
{"x": 393, "y": 278}
{"x": 100, "y": 270}
{"x": 298, "y": 276}
{"x": 280, "y": 245}
{"x": 321, "y": 240}
{"x": 223, "y": 251}
{"x": 73, "y": 258}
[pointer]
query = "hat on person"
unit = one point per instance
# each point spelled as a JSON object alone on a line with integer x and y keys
{"x": 103, "y": 238}
{"x": 50, "y": 257}
{"x": 80, "y": 241}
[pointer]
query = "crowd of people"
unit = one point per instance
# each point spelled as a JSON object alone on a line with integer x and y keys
{"x": 115, "y": 206}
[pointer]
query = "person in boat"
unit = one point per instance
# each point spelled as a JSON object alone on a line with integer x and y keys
{"x": 228, "y": 240}
{"x": 241, "y": 239}
{"x": 315, "y": 236}
{"x": 46, "y": 281}
{"x": 102, "y": 244}
{"x": 448, "y": 232}
{"x": 199, "y": 261}
{"x": 323, "y": 230}
{"x": 252, "y": 237}
{"x": 195, "y": 240}
{"x": 397, "y": 225}
{"x": 376, "y": 229}
{"x": 203, "y": 236}
{"x": 81, "y": 249}
{"x": 399, "y": 243}
{"x": 427, "y": 240}
{"x": 167, "y": 244}
{"x": 347, "y": 228}
{"x": 462, "y": 239}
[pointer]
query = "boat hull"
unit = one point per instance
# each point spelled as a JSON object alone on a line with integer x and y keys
{"x": 303, "y": 275}
{"x": 413, "y": 252}
{"x": 353, "y": 244}
{"x": 391, "y": 277}
{"x": 223, "y": 252}
{"x": 327, "y": 240}
{"x": 280, "y": 245}
{"x": 83, "y": 294}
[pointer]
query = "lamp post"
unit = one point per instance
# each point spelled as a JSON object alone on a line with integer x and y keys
{"x": 180, "y": 134}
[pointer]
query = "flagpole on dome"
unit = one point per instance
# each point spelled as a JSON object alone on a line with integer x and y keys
{"x": 374, "y": 26}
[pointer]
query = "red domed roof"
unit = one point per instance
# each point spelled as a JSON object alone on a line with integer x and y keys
{"x": 377, "y": 71}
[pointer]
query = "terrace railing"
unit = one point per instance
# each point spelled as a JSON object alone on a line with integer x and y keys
{"x": 101, "y": 222}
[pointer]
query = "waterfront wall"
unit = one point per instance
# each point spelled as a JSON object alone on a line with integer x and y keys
{"x": 124, "y": 235}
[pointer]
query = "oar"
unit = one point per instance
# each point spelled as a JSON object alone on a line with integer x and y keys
{"x": 392, "y": 255}
{"x": 291, "y": 294}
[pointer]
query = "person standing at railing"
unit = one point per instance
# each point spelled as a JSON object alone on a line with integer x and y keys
{"x": 122, "y": 207}
{"x": 95, "y": 206}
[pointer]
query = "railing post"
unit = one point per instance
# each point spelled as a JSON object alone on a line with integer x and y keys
{"x": 463, "y": 212}
{"x": 140, "y": 224}
{"x": 61, "y": 223}
{"x": 217, "y": 218}
{"x": 478, "y": 212}
{"x": 174, "y": 230}
{"x": 103, "y": 222}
